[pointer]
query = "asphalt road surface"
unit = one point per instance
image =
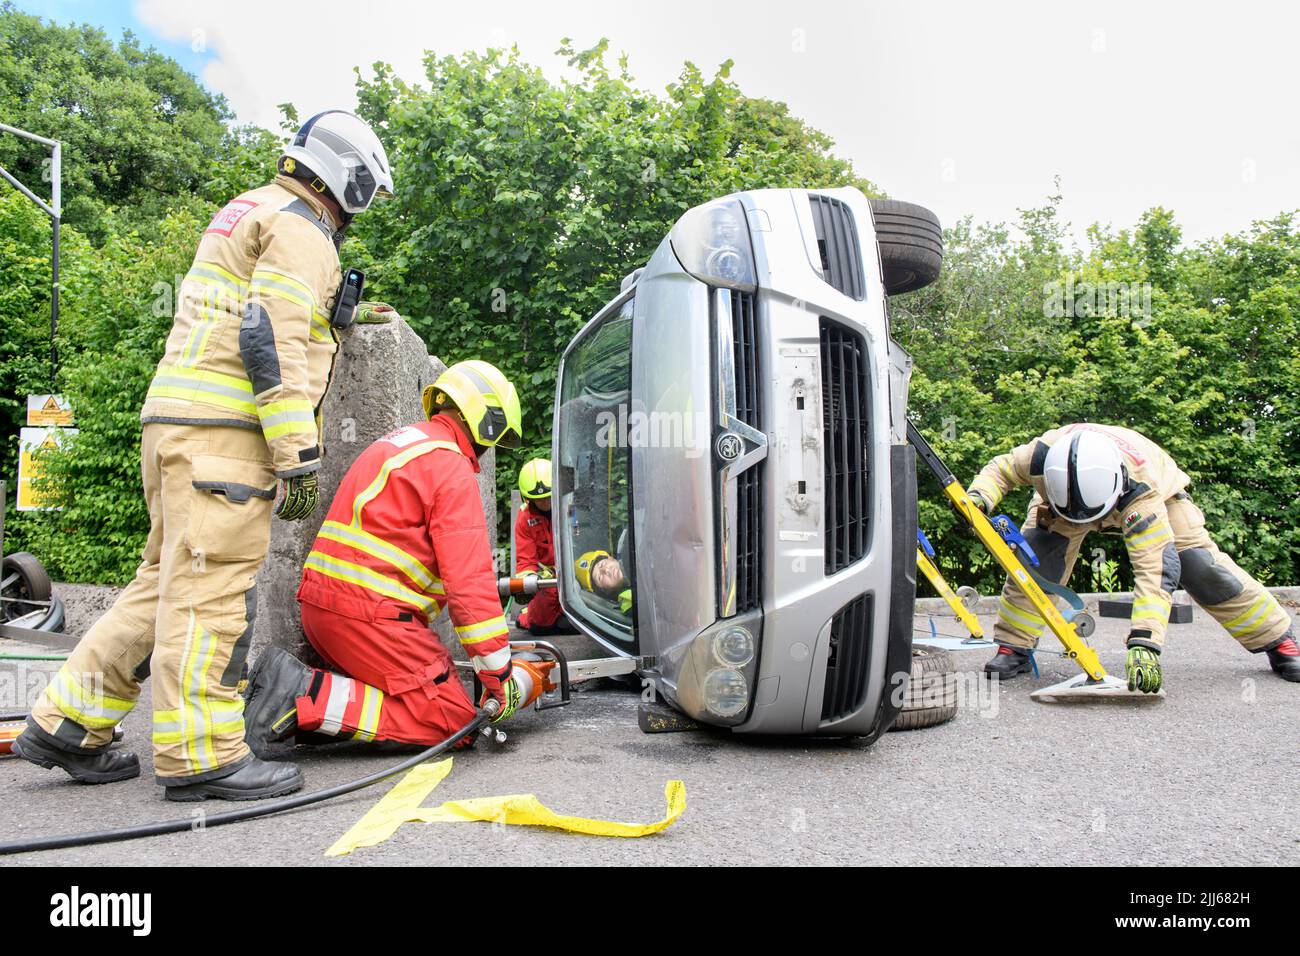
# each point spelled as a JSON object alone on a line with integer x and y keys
{"x": 1207, "y": 776}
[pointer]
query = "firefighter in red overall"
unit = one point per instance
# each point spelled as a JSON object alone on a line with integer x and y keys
{"x": 404, "y": 537}
{"x": 535, "y": 550}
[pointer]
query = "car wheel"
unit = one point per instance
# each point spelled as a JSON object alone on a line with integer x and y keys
{"x": 911, "y": 244}
{"x": 24, "y": 580}
{"x": 931, "y": 691}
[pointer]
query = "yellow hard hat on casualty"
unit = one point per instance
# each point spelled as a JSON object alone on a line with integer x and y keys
{"x": 484, "y": 397}
{"x": 582, "y": 567}
{"x": 535, "y": 479}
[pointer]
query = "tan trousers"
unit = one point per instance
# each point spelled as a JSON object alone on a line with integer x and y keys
{"x": 187, "y": 618}
{"x": 1213, "y": 580}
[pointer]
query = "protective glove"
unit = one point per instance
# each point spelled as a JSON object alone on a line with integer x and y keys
{"x": 978, "y": 501}
{"x": 375, "y": 313}
{"x": 301, "y": 493}
{"x": 1143, "y": 669}
{"x": 539, "y": 674}
{"x": 498, "y": 685}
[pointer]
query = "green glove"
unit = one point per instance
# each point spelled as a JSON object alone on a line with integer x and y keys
{"x": 300, "y": 496}
{"x": 978, "y": 501}
{"x": 1143, "y": 669}
{"x": 375, "y": 313}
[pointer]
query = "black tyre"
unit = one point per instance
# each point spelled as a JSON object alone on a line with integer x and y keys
{"x": 931, "y": 692}
{"x": 911, "y": 244}
{"x": 56, "y": 620}
{"x": 24, "y": 580}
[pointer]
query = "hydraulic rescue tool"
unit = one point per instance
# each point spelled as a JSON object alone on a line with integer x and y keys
{"x": 962, "y": 601}
{"x": 1002, "y": 540}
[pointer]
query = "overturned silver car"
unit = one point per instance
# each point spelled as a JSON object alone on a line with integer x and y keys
{"x": 735, "y": 498}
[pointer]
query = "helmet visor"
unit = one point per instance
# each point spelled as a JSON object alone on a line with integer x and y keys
{"x": 360, "y": 188}
{"x": 493, "y": 429}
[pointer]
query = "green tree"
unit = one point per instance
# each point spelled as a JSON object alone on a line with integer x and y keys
{"x": 139, "y": 134}
{"x": 521, "y": 203}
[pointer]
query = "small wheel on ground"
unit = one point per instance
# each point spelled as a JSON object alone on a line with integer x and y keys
{"x": 970, "y": 598}
{"x": 27, "y": 586}
{"x": 1084, "y": 623}
{"x": 931, "y": 690}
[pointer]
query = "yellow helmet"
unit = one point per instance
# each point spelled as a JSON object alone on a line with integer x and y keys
{"x": 486, "y": 399}
{"x": 582, "y": 567}
{"x": 535, "y": 479}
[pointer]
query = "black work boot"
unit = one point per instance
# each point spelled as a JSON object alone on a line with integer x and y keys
{"x": 254, "y": 780}
{"x": 1284, "y": 658}
{"x": 276, "y": 682}
{"x": 101, "y": 765}
{"x": 1009, "y": 662}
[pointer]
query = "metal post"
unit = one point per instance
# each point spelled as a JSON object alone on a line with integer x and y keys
{"x": 56, "y": 196}
{"x": 53, "y": 209}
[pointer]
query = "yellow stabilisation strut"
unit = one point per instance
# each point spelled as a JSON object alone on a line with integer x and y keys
{"x": 1065, "y": 632}
{"x": 924, "y": 556}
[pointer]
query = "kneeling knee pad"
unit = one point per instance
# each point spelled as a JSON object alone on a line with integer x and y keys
{"x": 1205, "y": 581}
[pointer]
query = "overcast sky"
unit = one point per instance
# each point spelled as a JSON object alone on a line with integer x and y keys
{"x": 966, "y": 107}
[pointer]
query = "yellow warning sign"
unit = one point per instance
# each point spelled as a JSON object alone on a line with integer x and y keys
{"x": 44, "y": 411}
{"x": 32, "y": 442}
{"x": 402, "y": 805}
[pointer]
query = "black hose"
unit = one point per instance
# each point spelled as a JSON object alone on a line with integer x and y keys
{"x": 235, "y": 816}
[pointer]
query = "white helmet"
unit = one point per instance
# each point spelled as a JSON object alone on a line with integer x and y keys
{"x": 1084, "y": 473}
{"x": 345, "y": 154}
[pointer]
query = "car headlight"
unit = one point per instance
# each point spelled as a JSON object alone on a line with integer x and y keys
{"x": 734, "y": 647}
{"x": 712, "y": 243}
{"x": 725, "y": 692}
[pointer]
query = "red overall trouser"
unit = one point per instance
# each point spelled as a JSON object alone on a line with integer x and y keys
{"x": 401, "y": 683}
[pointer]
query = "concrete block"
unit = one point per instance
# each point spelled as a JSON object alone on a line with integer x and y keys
{"x": 378, "y": 377}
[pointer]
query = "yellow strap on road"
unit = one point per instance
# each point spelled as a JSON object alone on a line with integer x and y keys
{"x": 402, "y": 805}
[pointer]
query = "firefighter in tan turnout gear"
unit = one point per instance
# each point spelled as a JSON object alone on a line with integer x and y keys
{"x": 231, "y": 413}
{"x": 1090, "y": 477}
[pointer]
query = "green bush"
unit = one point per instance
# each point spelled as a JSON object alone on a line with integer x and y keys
{"x": 1209, "y": 371}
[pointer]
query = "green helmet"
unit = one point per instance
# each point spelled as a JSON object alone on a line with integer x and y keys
{"x": 486, "y": 399}
{"x": 535, "y": 479}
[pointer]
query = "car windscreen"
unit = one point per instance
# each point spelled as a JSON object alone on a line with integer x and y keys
{"x": 594, "y": 484}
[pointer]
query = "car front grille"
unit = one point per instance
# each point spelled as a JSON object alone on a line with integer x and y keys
{"x": 849, "y": 660}
{"x": 749, "y": 484}
{"x": 845, "y": 444}
{"x": 837, "y": 242}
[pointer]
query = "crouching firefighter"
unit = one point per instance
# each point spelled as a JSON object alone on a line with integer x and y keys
{"x": 535, "y": 551}
{"x": 231, "y": 412}
{"x": 1090, "y": 477}
{"x": 404, "y": 537}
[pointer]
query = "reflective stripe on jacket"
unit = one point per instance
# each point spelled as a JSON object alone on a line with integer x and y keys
{"x": 406, "y": 532}
{"x": 251, "y": 344}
